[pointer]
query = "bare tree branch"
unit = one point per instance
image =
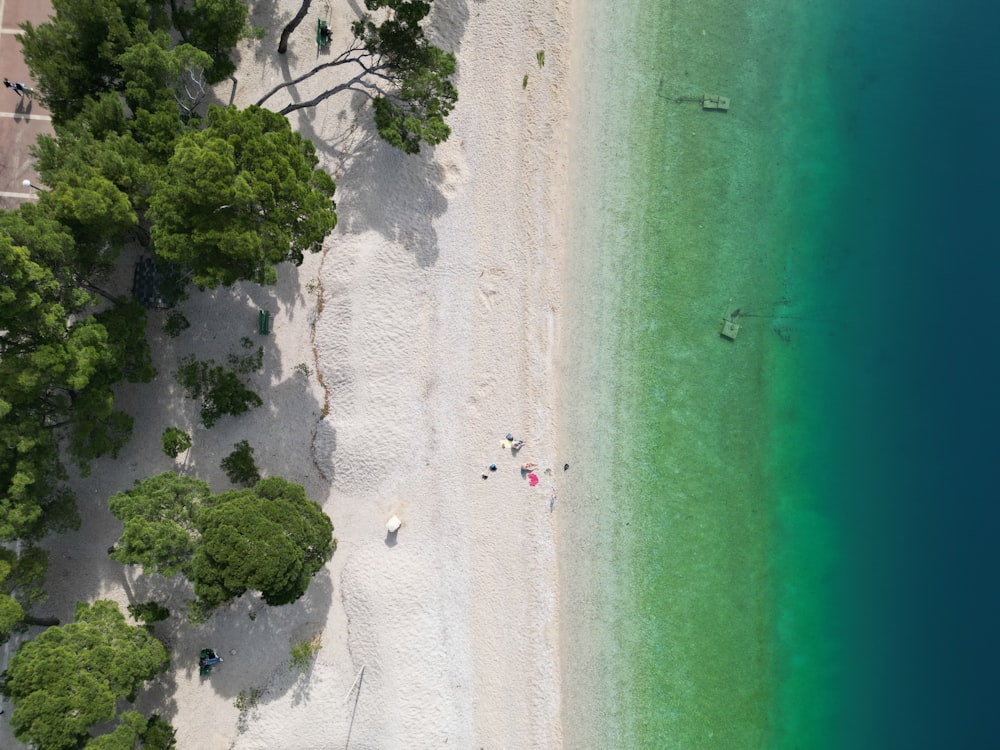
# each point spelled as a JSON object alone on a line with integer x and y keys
{"x": 194, "y": 91}
{"x": 353, "y": 84}
{"x": 376, "y": 69}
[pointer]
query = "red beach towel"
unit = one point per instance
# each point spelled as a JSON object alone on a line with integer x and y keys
{"x": 532, "y": 479}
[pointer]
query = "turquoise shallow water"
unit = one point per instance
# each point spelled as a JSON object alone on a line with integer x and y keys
{"x": 758, "y": 537}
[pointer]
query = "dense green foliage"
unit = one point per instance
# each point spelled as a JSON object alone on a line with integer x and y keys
{"x": 90, "y": 47}
{"x": 270, "y": 538}
{"x": 22, "y": 577}
{"x": 175, "y": 324}
{"x": 75, "y": 53}
{"x": 225, "y": 198}
{"x": 132, "y": 156}
{"x": 214, "y": 26}
{"x": 84, "y": 200}
{"x": 125, "y": 323}
{"x": 70, "y": 677}
{"x": 240, "y": 196}
{"x": 38, "y": 346}
{"x": 11, "y": 612}
{"x": 417, "y": 113}
{"x": 58, "y": 366}
{"x": 136, "y": 732}
{"x": 124, "y": 96}
{"x": 240, "y": 466}
{"x": 217, "y": 197}
{"x": 160, "y": 518}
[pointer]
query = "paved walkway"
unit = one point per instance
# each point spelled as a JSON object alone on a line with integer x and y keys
{"x": 21, "y": 120}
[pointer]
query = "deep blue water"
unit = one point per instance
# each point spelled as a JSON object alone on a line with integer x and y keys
{"x": 919, "y": 436}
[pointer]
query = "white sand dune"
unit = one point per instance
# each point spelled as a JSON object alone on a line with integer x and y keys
{"x": 428, "y": 326}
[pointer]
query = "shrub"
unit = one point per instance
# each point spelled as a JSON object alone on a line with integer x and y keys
{"x": 248, "y": 699}
{"x": 220, "y": 390}
{"x": 302, "y": 654}
{"x": 239, "y": 465}
{"x": 175, "y": 323}
{"x": 175, "y": 441}
{"x": 248, "y": 363}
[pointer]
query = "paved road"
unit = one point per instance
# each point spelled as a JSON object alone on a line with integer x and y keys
{"x": 21, "y": 120}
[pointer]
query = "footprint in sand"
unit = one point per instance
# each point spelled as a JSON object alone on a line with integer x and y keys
{"x": 486, "y": 295}
{"x": 486, "y": 290}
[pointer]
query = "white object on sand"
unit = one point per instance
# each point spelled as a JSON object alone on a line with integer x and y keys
{"x": 393, "y": 524}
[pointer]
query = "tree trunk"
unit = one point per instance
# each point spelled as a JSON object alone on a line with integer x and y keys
{"x": 173, "y": 12}
{"x": 287, "y": 31}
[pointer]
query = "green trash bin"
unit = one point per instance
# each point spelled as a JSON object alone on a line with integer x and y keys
{"x": 264, "y": 322}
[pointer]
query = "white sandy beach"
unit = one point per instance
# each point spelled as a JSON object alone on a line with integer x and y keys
{"x": 428, "y": 328}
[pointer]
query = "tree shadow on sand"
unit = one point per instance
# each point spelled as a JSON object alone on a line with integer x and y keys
{"x": 253, "y": 639}
{"x": 396, "y": 194}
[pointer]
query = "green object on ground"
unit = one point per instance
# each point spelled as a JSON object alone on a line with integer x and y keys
{"x": 264, "y": 322}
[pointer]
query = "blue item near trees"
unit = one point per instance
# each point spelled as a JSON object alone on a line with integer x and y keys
{"x": 208, "y": 659}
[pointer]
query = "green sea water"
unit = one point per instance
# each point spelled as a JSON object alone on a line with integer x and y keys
{"x": 788, "y": 540}
{"x": 711, "y": 480}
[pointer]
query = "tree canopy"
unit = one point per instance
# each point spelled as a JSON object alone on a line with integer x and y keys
{"x": 416, "y": 94}
{"x": 70, "y": 677}
{"x": 22, "y": 577}
{"x": 214, "y": 26}
{"x": 89, "y": 47}
{"x": 219, "y": 390}
{"x": 129, "y": 149}
{"x": 136, "y": 732}
{"x": 160, "y": 516}
{"x": 75, "y": 53}
{"x": 270, "y": 538}
{"x": 58, "y": 366}
{"x": 240, "y": 196}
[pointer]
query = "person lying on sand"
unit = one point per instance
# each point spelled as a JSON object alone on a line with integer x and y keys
{"x": 528, "y": 467}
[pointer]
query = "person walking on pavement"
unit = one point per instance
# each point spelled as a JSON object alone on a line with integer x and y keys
{"x": 21, "y": 89}
{"x": 12, "y": 87}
